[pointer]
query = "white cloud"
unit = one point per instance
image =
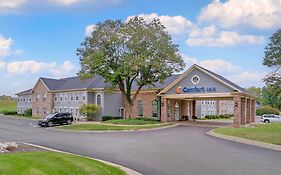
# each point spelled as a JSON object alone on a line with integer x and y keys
{"x": 89, "y": 29}
{"x": 10, "y": 4}
{"x": 2, "y": 65}
{"x": 63, "y": 70}
{"x": 173, "y": 24}
{"x": 263, "y": 14}
{"x": 223, "y": 38}
{"x": 248, "y": 78}
{"x": 237, "y": 74}
{"x": 29, "y": 66}
{"x": 5, "y": 46}
{"x": 65, "y": 2}
{"x": 34, "y": 67}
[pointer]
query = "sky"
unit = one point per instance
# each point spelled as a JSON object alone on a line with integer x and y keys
{"x": 39, "y": 38}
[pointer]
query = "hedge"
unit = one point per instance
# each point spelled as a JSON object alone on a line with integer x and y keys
{"x": 222, "y": 116}
{"x": 266, "y": 110}
{"x": 105, "y": 118}
{"x": 9, "y": 112}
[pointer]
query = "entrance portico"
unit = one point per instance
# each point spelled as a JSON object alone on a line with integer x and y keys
{"x": 178, "y": 100}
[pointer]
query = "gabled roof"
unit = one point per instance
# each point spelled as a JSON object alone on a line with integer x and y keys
{"x": 225, "y": 80}
{"x": 220, "y": 78}
{"x": 74, "y": 83}
{"x": 97, "y": 82}
{"x": 29, "y": 91}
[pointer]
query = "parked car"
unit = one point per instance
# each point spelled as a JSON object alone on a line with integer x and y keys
{"x": 270, "y": 118}
{"x": 56, "y": 119}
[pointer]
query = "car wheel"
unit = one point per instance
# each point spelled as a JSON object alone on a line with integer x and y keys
{"x": 266, "y": 121}
{"x": 68, "y": 122}
{"x": 50, "y": 124}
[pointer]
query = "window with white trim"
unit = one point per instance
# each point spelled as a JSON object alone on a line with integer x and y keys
{"x": 140, "y": 108}
{"x": 98, "y": 99}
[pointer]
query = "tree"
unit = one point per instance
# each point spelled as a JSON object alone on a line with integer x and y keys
{"x": 257, "y": 92}
{"x": 126, "y": 54}
{"x": 90, "y": 111}
{"x": 270, "y": 98}
{"x": 272, "y": 59}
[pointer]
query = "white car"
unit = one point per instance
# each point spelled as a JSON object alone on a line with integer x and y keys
{"x": 270, "y": 118}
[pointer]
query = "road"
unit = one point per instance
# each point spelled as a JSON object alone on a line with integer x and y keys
{"x": 181, "y": 150}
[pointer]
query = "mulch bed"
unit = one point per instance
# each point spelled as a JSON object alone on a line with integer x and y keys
{"x": 24, "y": 148}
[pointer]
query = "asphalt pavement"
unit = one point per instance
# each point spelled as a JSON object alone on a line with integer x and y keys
{"x": 180, "y": 150}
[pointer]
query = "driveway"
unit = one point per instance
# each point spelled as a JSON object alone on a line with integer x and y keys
{"x": 180, "y": 150}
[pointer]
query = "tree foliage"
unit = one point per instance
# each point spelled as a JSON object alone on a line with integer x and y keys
{"x": 129, "y": 54}
{"x": 90, "y": 111}
{"x": 257, "y": 92}
{"x": 272, "y": 59}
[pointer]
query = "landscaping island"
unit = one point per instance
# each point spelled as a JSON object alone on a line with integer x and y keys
{"x": 120, "y": 124}
{"x": 26, "y": 160}
{"x": 268, "y": 133}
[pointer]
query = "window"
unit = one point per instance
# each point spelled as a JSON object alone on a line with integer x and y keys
{"x": 65, "y": 97}
{"x": 140, "y": 108}
{"x": 195, "y": 79}
{"x": 98, "y": 99}
{"x": 71, "y": 97}
{"x": 37, "y": 110}
{"x": 55, "y": 98}
{"x": 61, "y": 98}
{"x": 154, "y": 108}
{"x": 65, "y": 109}
{"x": 76, "y": 97}
{"x": 60, "y": 110}
{"x": 45, "y": 111}
{"x": 84, "y": 97}
{"x": 37, "y": 97}
{"x": 76, "y": 112}
{"x": 71, "y": 111}
{"x": 44, "y": 96}
{"x": 55, "y": 110}
{"x": 169, "y": 108}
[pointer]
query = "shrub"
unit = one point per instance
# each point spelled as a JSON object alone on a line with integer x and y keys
{"x": 222, "y": 116}
{"x": 9, "y": 112}
{"x": 90, "y": 111}
{"x": 105, "y": 118}
{"x": 146, "y": 119}
{"x": 266, "y": 110}
{"x": 28, "y": 112}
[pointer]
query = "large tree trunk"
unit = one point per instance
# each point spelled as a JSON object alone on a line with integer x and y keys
{"x": 128, "y": 108}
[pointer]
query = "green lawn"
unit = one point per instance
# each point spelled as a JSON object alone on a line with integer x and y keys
{"x": 105, "y": 127}
{"x": 269, "y": 133}
{"x": 51, "y": 163}
{"x": 132, "y": 121}
{"x": 8, "y": 105}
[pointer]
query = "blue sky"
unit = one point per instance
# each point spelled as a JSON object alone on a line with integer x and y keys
{"x": 40, "y": 38}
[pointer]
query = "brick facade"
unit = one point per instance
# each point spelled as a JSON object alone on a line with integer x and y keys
{"x": 41, "y": 103}
{"x": 147, "y": 99}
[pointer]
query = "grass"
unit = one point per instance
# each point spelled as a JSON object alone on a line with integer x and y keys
{"x": 132, "y": 122}
{"x": 45, "y": 163}
{"x": 106, "y": 127}
{"x": 8, "y": 105}
{"x": 268, "y": 133}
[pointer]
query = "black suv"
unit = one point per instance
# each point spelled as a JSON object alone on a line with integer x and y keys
{"x": 56, "y": 119}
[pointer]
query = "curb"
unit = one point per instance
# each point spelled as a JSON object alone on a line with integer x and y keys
{"x": 246, "y": 141}
{"x": 112, "y": 131}
{"x": 128, "y": 171}
{"x": 23, "y": 118}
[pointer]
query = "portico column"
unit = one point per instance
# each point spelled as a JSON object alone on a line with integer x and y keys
{"x": 243, "y": 111}
{"x": 248, "y": 111}
{"x": 163, "y": 110}
{"x": 193, "y": 108}
{"x": 237, "y": 111}
{"x": 253, "y": 112}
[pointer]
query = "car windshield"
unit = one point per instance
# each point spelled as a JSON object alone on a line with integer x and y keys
{"x": 50, "y": 116}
